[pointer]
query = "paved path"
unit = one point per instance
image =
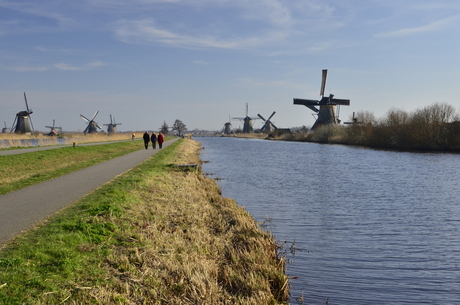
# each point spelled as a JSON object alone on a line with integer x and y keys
{"x": 22, "y": 209}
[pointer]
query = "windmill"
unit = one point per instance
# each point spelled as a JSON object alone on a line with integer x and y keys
{"x": 53, "y": 131}
{"x": 23, "y": 121}
{"x": 327, "y": 106}
{"x": 92, "y": 126}
{"x": 228, "y": 127}
{"x": 247, "y": 122}
{"x": 5, "y": 129}
{"x": 268, "y": 125}
{"x": 112, "y": 127}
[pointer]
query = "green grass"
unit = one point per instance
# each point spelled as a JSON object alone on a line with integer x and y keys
{"x": 64, "y": 255}
{"x": 22, "y": 170}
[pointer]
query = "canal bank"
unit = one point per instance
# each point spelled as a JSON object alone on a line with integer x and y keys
{"x": 159, "y": 234}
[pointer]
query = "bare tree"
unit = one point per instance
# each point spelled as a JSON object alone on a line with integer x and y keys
{"x": 179, "y": 127}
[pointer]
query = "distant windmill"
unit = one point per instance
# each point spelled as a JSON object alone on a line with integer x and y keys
{"x": 327, "y": 106}
{"x": 268, "y": 125}
{"x": 23, "y": 123}
{"x": 92, "y": 125}
{"x": 53, "y": 131}
{"x": 228, "y": 127}
{"x": 247, "y": 121}
{"x": 5, "y": 129}
{"x": 112, "y": 126}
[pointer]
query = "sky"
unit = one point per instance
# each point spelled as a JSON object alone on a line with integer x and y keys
{"x": 146, "y": 62}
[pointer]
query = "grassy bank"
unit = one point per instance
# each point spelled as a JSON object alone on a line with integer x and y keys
{"x": 155, "y": 235}
{"x": 18, "y": 171}
{"x": 432, "y": 128}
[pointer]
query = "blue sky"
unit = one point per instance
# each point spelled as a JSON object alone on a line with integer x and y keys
{"x": 200, "y": 61}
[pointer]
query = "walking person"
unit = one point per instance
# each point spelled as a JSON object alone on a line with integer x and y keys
{"x": 161, "y": 139}
{"x": 146, "y": 139}
{"x": 153, "y": 138}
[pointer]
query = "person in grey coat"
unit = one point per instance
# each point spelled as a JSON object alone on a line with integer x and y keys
{"x": 153, "y": 138}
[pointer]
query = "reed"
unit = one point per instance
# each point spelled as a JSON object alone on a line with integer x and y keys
{"x": 158, "y": 234}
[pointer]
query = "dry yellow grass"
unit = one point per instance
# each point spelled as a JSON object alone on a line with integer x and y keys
{"x": 191, "y": 246}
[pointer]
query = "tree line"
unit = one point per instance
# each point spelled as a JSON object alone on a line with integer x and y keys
{"x": 178, "y": 127}
{"x": 431, "y": 128}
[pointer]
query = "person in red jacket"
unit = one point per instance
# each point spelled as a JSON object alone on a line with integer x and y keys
{"x": 160, "y": 139}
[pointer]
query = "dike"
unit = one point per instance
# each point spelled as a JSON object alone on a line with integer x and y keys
{"x": 158, "y": 234}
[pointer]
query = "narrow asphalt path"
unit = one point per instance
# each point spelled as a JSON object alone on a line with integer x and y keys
{"x": 24, "y": 208}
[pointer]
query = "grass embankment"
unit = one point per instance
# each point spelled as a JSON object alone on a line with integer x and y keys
{"x": 18, "y": 171}
{"x": 155, "y": 235}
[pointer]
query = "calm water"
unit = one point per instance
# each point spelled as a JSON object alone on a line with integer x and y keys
{"x": 365, "y": 226}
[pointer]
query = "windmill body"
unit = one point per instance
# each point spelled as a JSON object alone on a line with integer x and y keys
{"x": 327, "y": 112}
{"x": 23, "y": 123}
{"x": 268, "y": 125}
{"x": 92, "y": 125}
{"x": 228, "y": 128}
{"x": 112, "y": 126}
{"x": 5, "y": 129}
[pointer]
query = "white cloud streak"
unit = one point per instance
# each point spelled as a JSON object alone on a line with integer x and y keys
{"x": 431, "y": 27}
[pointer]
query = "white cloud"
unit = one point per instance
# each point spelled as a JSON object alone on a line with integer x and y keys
{"x": 146, "y": 32}
{"x": 431, "y": 27}
{"x": 64, "y": 66}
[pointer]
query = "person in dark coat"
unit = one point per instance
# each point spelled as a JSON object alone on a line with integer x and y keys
{"x": 146, "y": 139}
{"x": 161, "y": 139}
{"x": 153, "y": 138}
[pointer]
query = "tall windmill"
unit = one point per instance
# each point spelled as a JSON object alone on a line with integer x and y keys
{"x": 23, "y": 123}
{"x": 92, "y": 125}
{"x": 53, "y": 131}
{"x": 247, "y": 121}
{"x": 326, "y": 114}
{"x": 268, "y": 125}
{"x": 112, "y": 126}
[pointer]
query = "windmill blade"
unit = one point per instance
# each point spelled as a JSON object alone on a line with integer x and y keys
{"x": 261, "y": 117}
{"x": 31, "y": 124}
{"x": 27, "y": 105}
{"x": 340, "y": 102}
{"x": 94, "y": 116}
{"x": 273, "y": 125}
{"x": 111, "y": 122}
{"x": 323, "y": 82}
{"x": 14, "y": 122}
{"x": 300, "y": 101}
{"x": 271, "y": 115}
{"x": 84, "y": 118}
{"x": 97, "y": 126}
{"x": 86, "y": 129}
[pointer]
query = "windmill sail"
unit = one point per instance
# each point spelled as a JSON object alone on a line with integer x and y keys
{"x": 326, "y": 114}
